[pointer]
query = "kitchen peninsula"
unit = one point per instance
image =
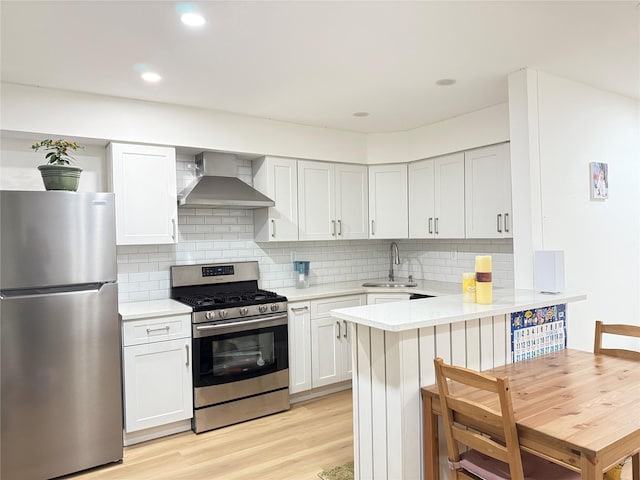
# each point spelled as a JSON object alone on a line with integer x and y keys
{"x": 393, "y": 349}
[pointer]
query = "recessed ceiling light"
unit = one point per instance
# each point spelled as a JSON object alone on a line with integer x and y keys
{"x": 193, "y": 19}
{"x": 445, "y": 82}
{"x": 361, "y": 114}
{"x": 151, "y": 77}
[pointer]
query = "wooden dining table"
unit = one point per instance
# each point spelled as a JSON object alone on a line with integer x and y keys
{"x": 575, "y": 408}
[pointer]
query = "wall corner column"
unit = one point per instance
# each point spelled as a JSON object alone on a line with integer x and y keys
{"x": 525, "y": 174}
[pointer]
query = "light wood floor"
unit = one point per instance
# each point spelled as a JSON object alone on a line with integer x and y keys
{"x": 297, "y": 445}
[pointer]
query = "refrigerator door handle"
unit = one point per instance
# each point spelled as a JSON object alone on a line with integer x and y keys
{"x": 44, "y": 292}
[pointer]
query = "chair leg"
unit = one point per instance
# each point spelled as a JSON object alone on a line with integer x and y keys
{"x": 635, "y": 466}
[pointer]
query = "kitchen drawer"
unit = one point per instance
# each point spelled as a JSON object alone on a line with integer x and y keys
{"x": 322, "y": 307}
{"x": 156, "y": 329}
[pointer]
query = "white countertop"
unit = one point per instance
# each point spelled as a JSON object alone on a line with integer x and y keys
{"x": 426, "y": 287}
{"x": 152, "y": 308}
{"x": 428, "y": 312}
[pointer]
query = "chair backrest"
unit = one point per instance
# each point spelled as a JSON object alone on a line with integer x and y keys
{"x": 490, "y": 431}
{"x": 616, "y": 329}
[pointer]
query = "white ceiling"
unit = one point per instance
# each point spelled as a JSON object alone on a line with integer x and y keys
{"x": 316, "y": 63}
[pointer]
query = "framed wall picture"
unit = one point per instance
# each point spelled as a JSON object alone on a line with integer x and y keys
{"x": 599, "y": 177}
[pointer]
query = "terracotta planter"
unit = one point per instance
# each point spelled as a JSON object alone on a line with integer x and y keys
{"x": 60, "y": 177}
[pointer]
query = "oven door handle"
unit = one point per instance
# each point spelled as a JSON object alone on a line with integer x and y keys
{"x": 218, "y": 329}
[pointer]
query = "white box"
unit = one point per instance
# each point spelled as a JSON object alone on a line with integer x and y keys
{"x": 549, "y": 271}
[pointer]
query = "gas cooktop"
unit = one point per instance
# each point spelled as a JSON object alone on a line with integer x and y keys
{"x": 224, "y": 291}
{"x": 208, "y": 301}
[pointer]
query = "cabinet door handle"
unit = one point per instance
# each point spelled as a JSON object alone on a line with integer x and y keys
{"x": 186, "y": 347}
{"x": 430, "y": 224}
{"x": 165, "y": 328}
{"x": 345, "y": 329}
{"x": 174, "y": 233}
{"x": 340, "y": 228}
{"x": 436, "y": 224}
{"x": 338, "y": 336}
{"x": 373, "y": 227}
{"x": 506, "y": 222}
{"x": 499, "y": 223}
{"x": 299, "y": 309}
{"x": 273, "y": 228}
{"x": 333, "y": 228}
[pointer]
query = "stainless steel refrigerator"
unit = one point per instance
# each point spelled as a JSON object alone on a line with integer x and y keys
{"x": 60, "y": 334}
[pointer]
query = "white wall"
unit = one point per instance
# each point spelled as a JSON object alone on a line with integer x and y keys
{"x": 18, "y": 166}
{"x": 577, "y": 124}
{"x": 87, "y": 116}
{"x": 79, "y": 115}
{"x": 475, "y": 129}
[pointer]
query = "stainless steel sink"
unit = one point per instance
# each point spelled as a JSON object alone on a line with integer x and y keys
{"x": 387, "y": 284}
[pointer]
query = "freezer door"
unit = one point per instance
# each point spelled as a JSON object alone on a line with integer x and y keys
{"x": 56, "y": 238}
{"x": 61, "y": 382}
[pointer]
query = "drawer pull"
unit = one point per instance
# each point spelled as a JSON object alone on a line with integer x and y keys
{"x": 345, "y": 329}
{"x": 338, "y": 336}
{"x": 165, "y": 329}
{"x": 187, "y": 349}
{"x": 299, "y": 309}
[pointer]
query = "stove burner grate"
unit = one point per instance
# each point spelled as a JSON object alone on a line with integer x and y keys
{"x": 226, "y": 299}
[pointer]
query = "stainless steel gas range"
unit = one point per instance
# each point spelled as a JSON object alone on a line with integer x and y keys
{"x": 240, "y": 343}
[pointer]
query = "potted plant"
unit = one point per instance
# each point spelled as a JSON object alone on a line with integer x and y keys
{"x": 58, "y": 174}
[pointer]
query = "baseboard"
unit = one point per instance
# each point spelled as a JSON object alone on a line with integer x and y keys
{"x": 131, "y": 438}
{"x": 320, "y": 392}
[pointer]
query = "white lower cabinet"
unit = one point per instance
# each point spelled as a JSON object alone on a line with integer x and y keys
{"x": 299, "y": 347}
{"x": 375, "y": 298}
{"x": 331, "y": 341}
{"x": 156, "y": 375}
{"x": 319, "y": 345}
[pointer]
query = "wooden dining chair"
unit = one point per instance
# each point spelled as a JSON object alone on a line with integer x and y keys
{"x": 616, "y": 329}
{"x": 626, "y": 331}
{"x": 490, "y": 434}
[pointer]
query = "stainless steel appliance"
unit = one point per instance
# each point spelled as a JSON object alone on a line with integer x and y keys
{"x": 240, "y": 343}
{"x": 60, "y": 335}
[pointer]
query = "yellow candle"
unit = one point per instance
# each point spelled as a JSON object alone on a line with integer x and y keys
{"x": 483, "y": 263}
{"x": 469, "y": 287}
{"x": 484, "y": 284}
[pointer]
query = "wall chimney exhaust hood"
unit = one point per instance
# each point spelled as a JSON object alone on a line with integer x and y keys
{"x": 217, "y": 186}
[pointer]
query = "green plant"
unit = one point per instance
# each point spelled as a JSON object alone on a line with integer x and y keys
{"x": 59, "y": 154}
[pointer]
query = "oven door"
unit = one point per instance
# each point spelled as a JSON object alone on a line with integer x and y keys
{"x": 240, "y": 350}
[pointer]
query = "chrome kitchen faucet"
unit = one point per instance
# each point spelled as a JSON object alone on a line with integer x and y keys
{"x": 394, "y": 253}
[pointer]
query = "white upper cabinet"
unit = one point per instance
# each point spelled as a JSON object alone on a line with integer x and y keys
{"x": 352, "y": 201}
{"x": 488, "y": 192}
{"x": 332, "y": 201}
{"x": 143, "y": 179}
{"x": 421, "y": 199}
{"x": 388, "y": 201}
{"x": 316, "y": 200}
{"x": 436, "y": 197}
{"x": 277, "y": 178}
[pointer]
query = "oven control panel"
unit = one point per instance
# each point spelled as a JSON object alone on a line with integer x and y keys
{"x": 249, "y": 312}
{"x": 217, "y": 271}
